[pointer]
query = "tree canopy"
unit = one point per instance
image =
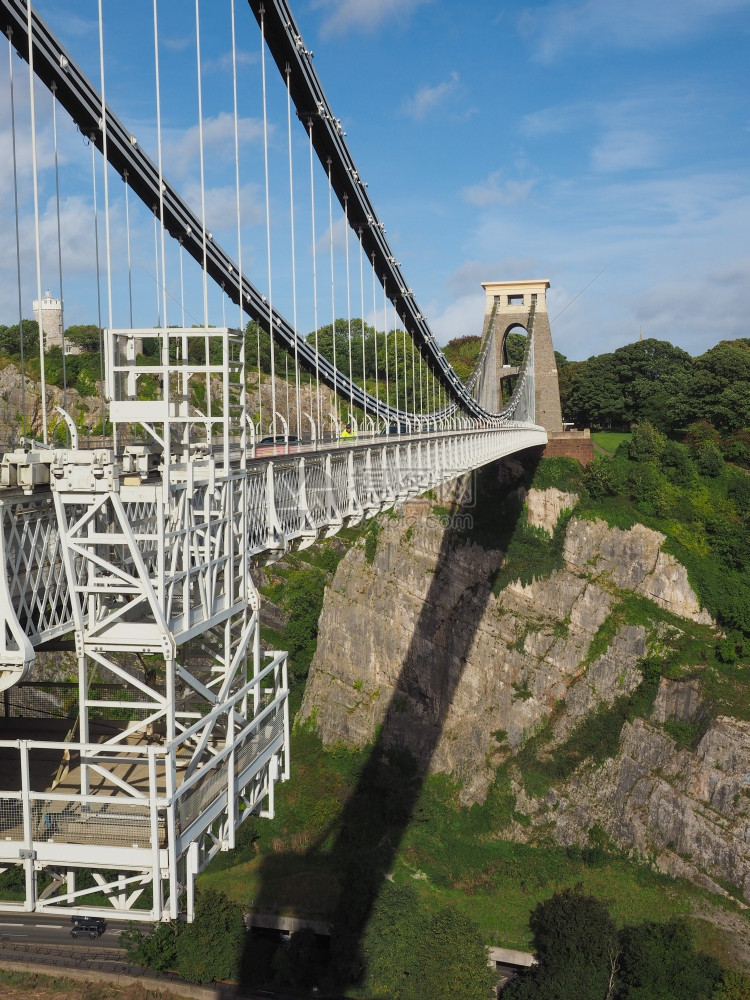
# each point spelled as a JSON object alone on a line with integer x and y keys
{"x": 581, "y": 955}
{"x": 651, "y": 380}
{"x": 10, "y": 341}
{"x": 87, "y": 337}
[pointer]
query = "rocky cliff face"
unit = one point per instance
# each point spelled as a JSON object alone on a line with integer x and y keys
{"x": 690, "y": 811}
{"x": 416, "y": 642}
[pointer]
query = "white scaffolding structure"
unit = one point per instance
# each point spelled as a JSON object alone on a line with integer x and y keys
{"x": 151, "y": 558}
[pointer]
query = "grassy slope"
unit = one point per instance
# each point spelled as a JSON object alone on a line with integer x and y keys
{"x": 449, "y": 854}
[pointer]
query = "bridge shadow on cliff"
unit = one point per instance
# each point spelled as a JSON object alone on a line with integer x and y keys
{"x": 360, "y": 848}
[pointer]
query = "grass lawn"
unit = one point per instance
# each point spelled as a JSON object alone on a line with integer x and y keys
{"x": 609, "y": 440}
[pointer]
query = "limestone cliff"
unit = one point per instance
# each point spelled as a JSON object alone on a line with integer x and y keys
{"x": 416, "y": 641}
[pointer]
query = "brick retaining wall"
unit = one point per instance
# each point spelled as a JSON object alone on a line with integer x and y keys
{"x": 570, "y": 444}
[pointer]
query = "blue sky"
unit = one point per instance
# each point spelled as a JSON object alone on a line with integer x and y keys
{"x": 602, "y": 145}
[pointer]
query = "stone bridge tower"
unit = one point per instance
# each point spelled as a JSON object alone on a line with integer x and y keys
{"x": 511, "y": 303}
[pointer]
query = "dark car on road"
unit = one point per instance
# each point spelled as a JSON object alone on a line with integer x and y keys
{"x": 90, "y": 927}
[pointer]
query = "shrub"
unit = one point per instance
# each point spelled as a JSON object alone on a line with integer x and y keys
{"x": 211, "y": 946}
{"x": 600, "y": 477}
{"x": 701, "y": 433}
{"x": 156, "y": 949}
{"x": 563, "y": 473}
{"x": 734, "y": 985}
{"x": 371, "y": 541}
{"x": 647, "y": 444}
{"x": 677, "y": 464}
{"x": 710, "y": 460}
{"x": 409, "y": 955}
{"x": 303, "y": 599}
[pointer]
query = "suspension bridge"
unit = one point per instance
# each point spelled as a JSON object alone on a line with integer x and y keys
{"x": 223, "y": 445}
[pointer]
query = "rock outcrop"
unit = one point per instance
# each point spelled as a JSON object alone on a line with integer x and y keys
{"x": 544, "y": 507}
{"x": 690, "y": 811}
{"x": 417, "y": 643}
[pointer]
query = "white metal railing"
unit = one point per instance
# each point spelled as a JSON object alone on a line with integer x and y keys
{"x": 291, "y": 500}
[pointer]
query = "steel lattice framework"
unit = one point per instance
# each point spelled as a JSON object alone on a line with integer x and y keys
{"x": 144, "y": 554}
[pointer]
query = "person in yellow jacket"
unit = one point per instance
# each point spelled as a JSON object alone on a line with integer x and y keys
{"x": 348, "y": 432}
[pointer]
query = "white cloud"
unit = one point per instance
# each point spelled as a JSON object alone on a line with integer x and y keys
{"x": 462, "y": 317}
{"x": 45, "y": 158}
{"x": 639, "y": 24}
{"x": 626, "y": 149}
{"x": 633, "y": 133}
{"x": 181, "y": 152}
{"x": 464, "y": 314}
{"x": 494, "y": 191}
{"x": 342, "y": 16}
{"x": 323, "y": 243}
{"x": 69, "y": 24}
{"x": 466, "y": 279}
{"x": 674, "y": 249}
{"x": 224, "y": 63}
{"x": 556, "y": 119}
{"x": 221, "y": 207}
{"x": 428, "y": 98}
{"x": 178, "y": 44}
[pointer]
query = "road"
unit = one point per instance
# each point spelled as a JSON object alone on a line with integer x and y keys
{"x": 46, "y": 942}
{"x": 31, "y": 928}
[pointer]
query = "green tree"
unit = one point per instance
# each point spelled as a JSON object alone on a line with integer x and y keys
{"x": 720, "y": 390}
{"x": 734, "y": 985}
{"x": 678, "y": 467}
{"x": 463, "y": 354}
{"x": 739, "y": 491}
{"x": 515, "y": 347}
{"x": 654, "y": 377}
{"x": 577, "y": 951}
{"x": 211, "y": 947}
{"x": 87, "y": 337}
{"x": 410, "y": 956}
{"x": 303, "y": 599}
{"x": 348, "y": 333}
{"x": 594, "y": 395}
{"x": 390, "y": 940}
{"x": 700, "y": 433}
{"x": 660, "y": 962}
{"x": 710, "y": 460}
{"x": 600, "y": 477}
{"x": 10, "y": 342}
{"x": 646, "y": 381}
